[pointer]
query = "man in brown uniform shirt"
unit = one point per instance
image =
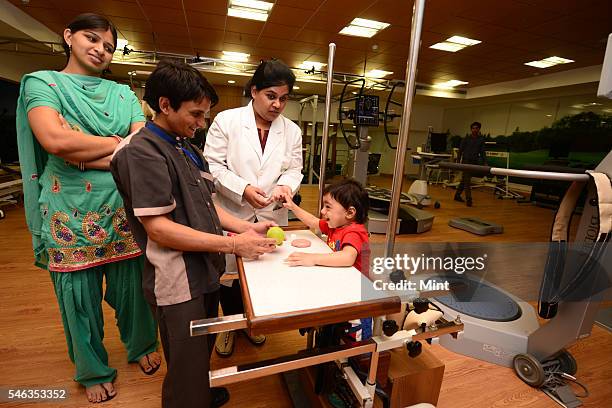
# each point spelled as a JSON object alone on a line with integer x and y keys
{"x": 167, "y": 190}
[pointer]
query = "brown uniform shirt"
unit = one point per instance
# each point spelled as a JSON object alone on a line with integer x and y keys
{"x": 156, "y": 177}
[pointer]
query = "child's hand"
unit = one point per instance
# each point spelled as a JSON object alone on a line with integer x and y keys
{"x": 279, "y": 192}
{"x": 300, "y": 259}
{"x": 288, "y": 201}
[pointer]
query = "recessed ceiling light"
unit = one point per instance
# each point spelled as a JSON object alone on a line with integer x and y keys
{"x": 548, "y": 62}
{"x": 231, "y": 81}
{"x": 121, "y": 44}
{"x": 558, "y": 60}
{"x": 455, "y": 43}
{"x": 296, "y": 87}
{"x": 539, "y": 64}
{"x": 447, "y": 46}
{"x": 361, "y": 27}
{"x": 585, "y": 105}
{"x": 449, "y": 84}
{"x": 377, "y": 73}
{"x": 254, "y": 4}
{"x": 312, "y": 64}
{"x": 549, "y": 116}
{"x": 249, "y": 9}
{"x": 235, "y": 56}
{"x": 457, "y": 39}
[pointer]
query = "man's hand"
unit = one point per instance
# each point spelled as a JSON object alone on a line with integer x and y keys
{"x": 262, "y": 227}
{"x": 255, "y": 196}
{"x": 250, "y": 245}
{"x": 301, "y": 259}
{"x": 279, "y": 193}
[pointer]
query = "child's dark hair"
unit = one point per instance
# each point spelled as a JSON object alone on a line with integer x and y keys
{"x": 350, "y": 193}
{"x": 179, "y": 82}
{"x": 89, "y": 21}
{"x": 271, "y": 73}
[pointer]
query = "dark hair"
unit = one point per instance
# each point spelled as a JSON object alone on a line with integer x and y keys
{"x": 271, "y": 73}
{"x": 350, "y": 193}
{"x": 476, "y": 124}
{"x": 179, "y": 82}
{"x": 87, "y": 21}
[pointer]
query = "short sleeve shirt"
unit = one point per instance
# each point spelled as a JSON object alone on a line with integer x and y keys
{"x": 352, "y": 234}
{"x": 156, "y": 177}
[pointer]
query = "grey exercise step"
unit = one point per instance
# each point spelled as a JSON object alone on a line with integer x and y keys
{"x": 476, "y": 226}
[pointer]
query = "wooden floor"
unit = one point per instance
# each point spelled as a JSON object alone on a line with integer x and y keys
{"x": 33, "y": 349}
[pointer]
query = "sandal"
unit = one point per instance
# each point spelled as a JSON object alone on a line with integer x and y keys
{"x": 153, "y": 370}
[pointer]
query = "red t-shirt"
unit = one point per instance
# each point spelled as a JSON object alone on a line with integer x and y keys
{"x": 354, "y": 235}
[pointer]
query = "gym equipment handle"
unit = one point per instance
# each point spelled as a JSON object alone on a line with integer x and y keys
{"x": 530, "y": 174}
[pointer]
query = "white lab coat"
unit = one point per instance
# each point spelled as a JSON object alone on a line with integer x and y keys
{"x": 233, "y": 152}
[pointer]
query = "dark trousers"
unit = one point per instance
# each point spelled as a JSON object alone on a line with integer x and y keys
{"x": 186, "y": 383}
{"x": 466, "y": 184}
{"x": 231, "y": 299}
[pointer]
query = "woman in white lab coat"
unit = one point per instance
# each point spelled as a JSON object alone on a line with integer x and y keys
{"x": 254, "y": 152}
{"x": 255, "y": 157}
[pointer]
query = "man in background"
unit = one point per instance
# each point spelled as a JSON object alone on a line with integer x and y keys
{"x": 471, "y": 151}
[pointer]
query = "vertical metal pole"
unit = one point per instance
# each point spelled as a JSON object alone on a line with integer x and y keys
{"x": 313, "y": 139}
{"x": 400, "y": 155}
{"x": 328, "y": 96}
{"x": 371, "y": 380}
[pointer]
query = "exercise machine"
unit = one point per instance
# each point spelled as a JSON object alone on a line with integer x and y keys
{"x": 502, "y": 329}
{"x": 366, "y": 114}
{"x": 427, "y": 158}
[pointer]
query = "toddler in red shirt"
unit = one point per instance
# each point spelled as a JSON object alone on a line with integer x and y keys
{"x": 344, "y": 212}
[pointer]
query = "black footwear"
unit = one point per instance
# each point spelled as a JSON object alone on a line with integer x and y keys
{"x": 218, "y": 396}
{"x": 458, "y": 198}
{"x": 468, "y": 203}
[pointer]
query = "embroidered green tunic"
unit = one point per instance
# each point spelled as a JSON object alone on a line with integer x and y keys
{"x": 76, "y": 218}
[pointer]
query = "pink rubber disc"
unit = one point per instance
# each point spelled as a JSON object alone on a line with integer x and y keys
{"x": 300, "y": 243}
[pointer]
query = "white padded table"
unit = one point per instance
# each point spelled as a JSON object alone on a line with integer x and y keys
{"x": 279, "y": 297}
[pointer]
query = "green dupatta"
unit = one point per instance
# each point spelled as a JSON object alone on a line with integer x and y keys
{"x": 95, "y": 104}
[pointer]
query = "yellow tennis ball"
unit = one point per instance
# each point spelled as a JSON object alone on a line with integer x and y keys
{"x": 276, "y": 233}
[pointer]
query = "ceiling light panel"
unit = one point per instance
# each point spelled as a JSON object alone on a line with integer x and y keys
{"x": 249, "y": 9}
{"x": 378, "y": 73}
{"x": 449, "y": 84}
{"x": 455, "y": 43}
{"x": 362, "y": 22}
{"x": 361, "y": 27}
{"x": 235, "y": 56}
{"x": 312, "y": 64}
{"x": 457, "y": 39}
{"x": 121, "y": 44}
{"x": 447, "y": 46}
{"x": 548, "y": 62}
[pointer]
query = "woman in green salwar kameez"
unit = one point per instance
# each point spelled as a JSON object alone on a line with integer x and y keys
{"x": 68, "y": 125}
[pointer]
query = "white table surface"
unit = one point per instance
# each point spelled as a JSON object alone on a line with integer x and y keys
{"x": 275, "y": 287}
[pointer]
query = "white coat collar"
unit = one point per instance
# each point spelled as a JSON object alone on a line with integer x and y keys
{"x": 275, "y": 134}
